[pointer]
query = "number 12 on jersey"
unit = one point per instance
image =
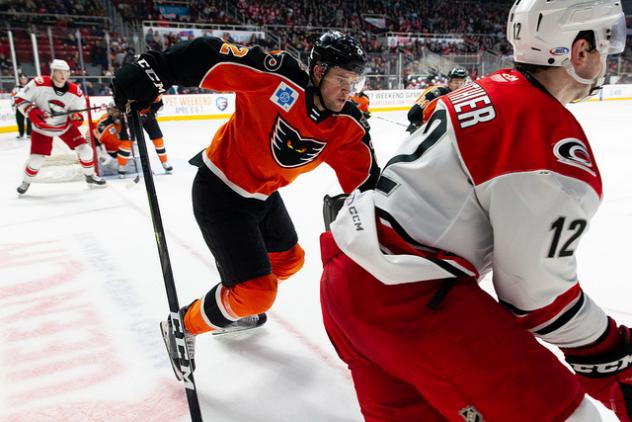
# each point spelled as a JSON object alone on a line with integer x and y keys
{"x": 576, "y": 227}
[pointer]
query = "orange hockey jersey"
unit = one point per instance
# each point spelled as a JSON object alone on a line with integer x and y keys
{"x": 276, "y": 132}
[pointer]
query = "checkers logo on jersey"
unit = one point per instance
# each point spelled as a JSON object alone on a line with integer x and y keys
{"x": 56, "y": 106}
{"x": 289, "y": 149}
{"x": 284, "y": 96}
{"x": 573, "y": 152}
{"x": 470, "y": 414}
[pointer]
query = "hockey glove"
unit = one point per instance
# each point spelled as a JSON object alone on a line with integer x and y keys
{"x": 76, "y": 119}
{"x": 38, "y": 119}
{"x": 331, "y": 207}
{"x": 605, "y": 369}
{"x": 137, "y": 82}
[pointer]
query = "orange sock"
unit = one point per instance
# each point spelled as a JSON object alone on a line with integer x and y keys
{"x": 124, "y": 152}
{"x": 194, "y": 320}
{"x": 287, "y": 263}
{"x": 159, "y": 144}
{"x": 222, "y": 305}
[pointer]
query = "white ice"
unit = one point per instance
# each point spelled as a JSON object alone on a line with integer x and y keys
{"x": 82, "y": 292}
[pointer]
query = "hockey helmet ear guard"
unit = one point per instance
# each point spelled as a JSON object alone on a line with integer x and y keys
{"x": 542, "y": 32}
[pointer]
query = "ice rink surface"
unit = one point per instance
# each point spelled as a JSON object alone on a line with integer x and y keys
{"x": 81, "y": 290}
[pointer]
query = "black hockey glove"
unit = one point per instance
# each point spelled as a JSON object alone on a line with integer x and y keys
{"x": 605, "y": 369}
{"x": 137, "y": 82}
{"x": 331, "y": 207}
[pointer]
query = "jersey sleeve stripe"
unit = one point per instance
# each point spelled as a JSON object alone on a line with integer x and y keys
{"x": 393, "y": 234}
{"x": 539, "y": 318}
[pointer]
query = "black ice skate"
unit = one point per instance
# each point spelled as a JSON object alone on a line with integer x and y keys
{"x": 168, "y": 167}
{"x": 23, "y": 188}
{"x": 93, "y": 179}
{"x": 180, "y": 347}
{"x": 242, "y": 324}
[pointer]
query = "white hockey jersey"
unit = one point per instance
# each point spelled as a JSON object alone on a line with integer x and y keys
{"x": 41, "y": 93}
{"x": 501, "y": 178}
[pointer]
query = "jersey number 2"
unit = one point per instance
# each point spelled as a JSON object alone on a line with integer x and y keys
{"x": 576, "y": 226}
{"x": 236, "y": 50}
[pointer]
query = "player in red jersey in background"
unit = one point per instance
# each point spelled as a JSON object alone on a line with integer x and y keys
{"x": 40, "y": 101}
{"x": 502, "y": 179}
{"x": 287, "y": 122}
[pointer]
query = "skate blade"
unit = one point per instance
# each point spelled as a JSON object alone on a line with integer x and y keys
{"x": 164, "y": 329}
{"x": 241, "y": 330}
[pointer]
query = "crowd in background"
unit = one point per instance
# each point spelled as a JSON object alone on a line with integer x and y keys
{"x": 469, "y": 28}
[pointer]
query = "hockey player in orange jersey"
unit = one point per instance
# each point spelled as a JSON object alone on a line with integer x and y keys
{"x": 362, "y": 101}
{"x": 287, "y": 121}
{"x": 111, "y": 132}
{"x": 425, "y": 103}
{"x": 149, "y": 122}
{"x": 111, "y": 135}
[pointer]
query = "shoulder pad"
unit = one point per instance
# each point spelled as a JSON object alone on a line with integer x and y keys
{"x": 73, "y": 88}
{"x": 43, "y": 81}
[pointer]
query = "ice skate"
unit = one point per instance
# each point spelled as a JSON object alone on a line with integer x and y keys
{"x": 170, "y": 343}
{"x": 168, "y": 167}
{"x": 243, "y": 324}
{"x": 23, "y": 188}
{"x": 93, "y": 179}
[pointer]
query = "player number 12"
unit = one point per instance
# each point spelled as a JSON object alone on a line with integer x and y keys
{"x": 576, "y": 226}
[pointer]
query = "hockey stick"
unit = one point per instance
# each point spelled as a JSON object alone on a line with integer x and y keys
{"x": 172, "y": 296}
{"x": 391, "y": 121}
{"x": 137, "y": 178}
{"x": 81, "y": 110}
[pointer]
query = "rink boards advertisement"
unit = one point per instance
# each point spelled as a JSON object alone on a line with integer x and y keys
{"x": 222, "y": 106}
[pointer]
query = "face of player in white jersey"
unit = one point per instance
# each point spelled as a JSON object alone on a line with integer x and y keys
{"x": 337, "y": 86}
{"x": 59, "y": 77}
{"x": 589, "y": 64}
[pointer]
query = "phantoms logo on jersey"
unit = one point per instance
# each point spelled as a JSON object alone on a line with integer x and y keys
{"x": 574, "y": 153}
{"x": 284, "y": 96}
{"x": 289, "y": 149}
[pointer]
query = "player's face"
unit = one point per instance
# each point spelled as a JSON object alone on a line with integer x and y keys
{"x": 590, "y": 68}
{"x": 337, "y": 86}
{"x": 456, "y": 83}
{"x": 60, "y": 77}
{"x": 23, "y": 80}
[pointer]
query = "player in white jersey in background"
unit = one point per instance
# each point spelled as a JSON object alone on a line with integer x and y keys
{"x": 46, "y": 102}
{"x": 502, "y": 179}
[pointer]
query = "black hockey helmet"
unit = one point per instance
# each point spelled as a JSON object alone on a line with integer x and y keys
{"x": 336, "y": 49}
{"x": 457, "y": 72}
